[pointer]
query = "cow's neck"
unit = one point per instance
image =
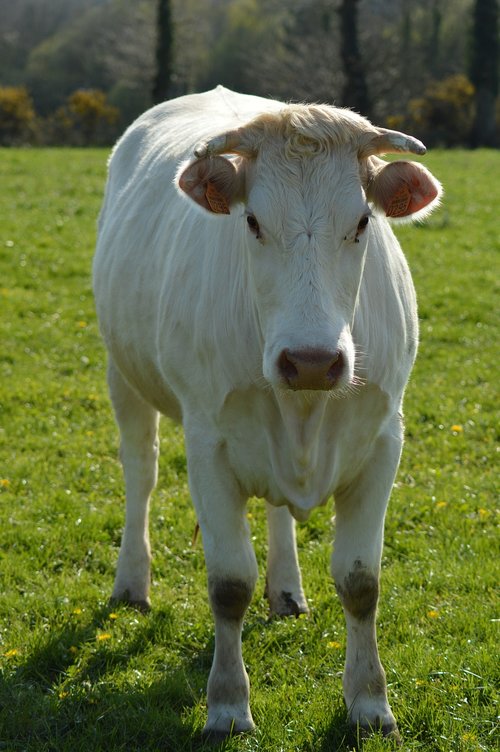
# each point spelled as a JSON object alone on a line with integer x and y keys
{"x": 302, "y": 416}
{"x": 296, "y": 468}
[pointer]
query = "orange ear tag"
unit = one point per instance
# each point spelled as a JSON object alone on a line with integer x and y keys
{"x": 216, "y": 200}
{"x": 399, "y": 203}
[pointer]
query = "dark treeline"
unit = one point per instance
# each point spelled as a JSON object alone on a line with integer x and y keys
{"x": 80, "y": 70}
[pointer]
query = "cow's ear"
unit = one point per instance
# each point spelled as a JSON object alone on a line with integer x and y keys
{"x": 214, "y": 183}
{"x": 403, "y": 190}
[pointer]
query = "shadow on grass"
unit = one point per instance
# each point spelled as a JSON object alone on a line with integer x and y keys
{"x": 65, "y": 697}
{"x": 342, "y": 737}
{"x": 56, "y": 701}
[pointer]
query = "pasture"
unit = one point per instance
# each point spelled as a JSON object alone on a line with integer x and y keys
{"x": 78, "y": 675}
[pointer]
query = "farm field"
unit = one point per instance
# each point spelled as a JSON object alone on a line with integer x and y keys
{"x": 78, "y": 675}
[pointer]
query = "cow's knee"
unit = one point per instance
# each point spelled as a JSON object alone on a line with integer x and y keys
{"x": 229, "y": 598}
{"x": 358, "y": 590}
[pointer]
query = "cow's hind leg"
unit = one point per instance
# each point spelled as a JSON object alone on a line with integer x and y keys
{"x": 359, "y": 521}
{"x": 283, "y": 581}
{"x": 138, "y": 424}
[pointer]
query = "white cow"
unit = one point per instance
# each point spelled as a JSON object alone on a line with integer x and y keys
{"x": 249, "y": 285}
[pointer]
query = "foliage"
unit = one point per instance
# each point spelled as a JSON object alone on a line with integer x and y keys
{"x": 444, "y": 115}
{"x": 17, "y": 116}
{"x": 110, "y": 44}
{"x": 76, "y": 675}
{"x": 85, "y": 119}
{"x": 265, "y": 47}
{"x": 246, "y": 30}
{"x": 26, "y": 24}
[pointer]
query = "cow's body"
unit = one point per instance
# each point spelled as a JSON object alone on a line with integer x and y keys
{"x": 284, "y": 347}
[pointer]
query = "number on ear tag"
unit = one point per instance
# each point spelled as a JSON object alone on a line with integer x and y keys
{"x": 399, "y": 203}
{"x": 216, "y": 200}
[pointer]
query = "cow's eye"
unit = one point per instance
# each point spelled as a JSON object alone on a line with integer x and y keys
{"x": 253, "y": 225}
{"x": 363, "y": 222}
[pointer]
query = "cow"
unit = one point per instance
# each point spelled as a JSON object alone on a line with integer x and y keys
{"x": 248, "y": 285}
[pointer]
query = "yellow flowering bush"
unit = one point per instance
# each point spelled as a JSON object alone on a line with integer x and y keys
{"x": 85, "y": 119}
{"x": 443, "y": 115}
{"x": 17, "y": 115}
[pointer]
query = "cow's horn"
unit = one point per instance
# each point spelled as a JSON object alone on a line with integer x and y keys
{"x": 388, "y": 142}
{"x": 224, "y": 144}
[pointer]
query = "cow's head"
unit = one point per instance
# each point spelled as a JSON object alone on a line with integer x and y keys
{"x": 310, "y": 182}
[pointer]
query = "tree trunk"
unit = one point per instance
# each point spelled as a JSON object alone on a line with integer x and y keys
{"x": 433, "y": 48}
{"x": 355, "y": 92}
{"x": 164, "y": 44}
{"x": 484, "y": 71}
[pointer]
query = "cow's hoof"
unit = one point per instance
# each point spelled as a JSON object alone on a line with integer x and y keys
{"x": 214, "y": 738}
{"x": 388, "y": 731}
{"x": 217, "y": 736}
{"x": 284, "y": 604}
{"x": 226, "y": 722}
{"x": 142, "y": 605}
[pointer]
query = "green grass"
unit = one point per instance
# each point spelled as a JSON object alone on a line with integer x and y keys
{"x": 74, "y": 676}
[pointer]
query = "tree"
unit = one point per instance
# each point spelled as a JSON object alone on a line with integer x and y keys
{"x": 484, "y": 70}
{"x": 434, "y": 40}
{"x": 107, "y": 45}
{"x": 246, "y": 45}
{"x": 306, "y": 50}
{"x": 355, "y": 92}
{"x": 304, "y": 65}
{"x": 164, "y": 46}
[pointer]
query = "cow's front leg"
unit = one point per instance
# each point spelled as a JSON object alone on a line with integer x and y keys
{"x": 283, "y": 581}
{"x": 359, "y": 521}
{"x": 232, "y": 573}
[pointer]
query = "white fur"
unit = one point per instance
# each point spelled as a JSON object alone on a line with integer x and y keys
{"x": 195, "y": 310}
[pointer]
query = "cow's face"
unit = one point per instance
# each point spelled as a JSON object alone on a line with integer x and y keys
{"x": 307, "y": 222}
{"x": 306, "y": 225}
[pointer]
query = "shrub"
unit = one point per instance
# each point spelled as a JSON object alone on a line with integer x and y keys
{"x": 85, "y": 119}
{"x": 444, "y": 115}
{"x": 17, "y": 116}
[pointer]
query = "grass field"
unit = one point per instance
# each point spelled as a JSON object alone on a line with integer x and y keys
{"x": 75, "y": 675}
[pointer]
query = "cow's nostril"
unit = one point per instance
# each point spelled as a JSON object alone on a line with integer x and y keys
{"x": 286, "y": 368}
{"x": 336, "y": 368}
{"x": 311, "y": 368}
